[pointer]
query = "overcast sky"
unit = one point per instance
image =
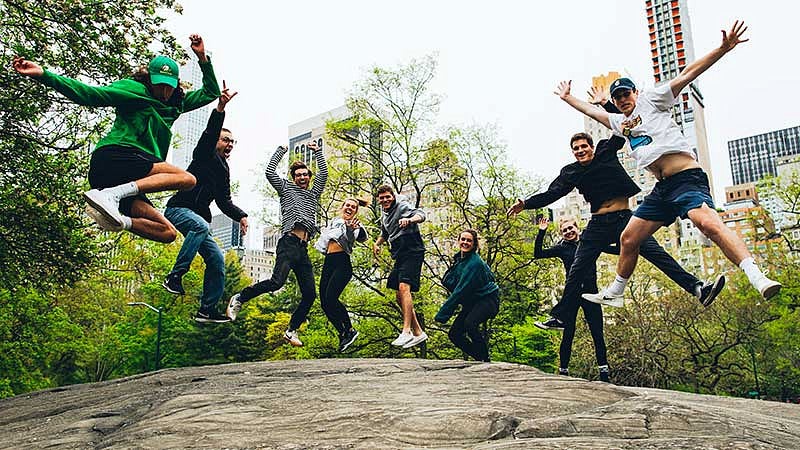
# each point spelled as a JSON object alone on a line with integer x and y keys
{"x": 499, "y": 63}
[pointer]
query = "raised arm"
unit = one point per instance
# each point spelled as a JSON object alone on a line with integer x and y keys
{"x": 207, "y": 145}
{"x": 210, "y": 90}
{"x": 560, "y": 187}
{"x": 272, "y": 176}
{"x": 538, "y": 251}
{"x": 321, "y": 176}
{"x": 729, "y": 41}
{"x": 563, "y": 92}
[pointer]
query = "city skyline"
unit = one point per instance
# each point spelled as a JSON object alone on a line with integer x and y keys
{"x": 490, "y": 69}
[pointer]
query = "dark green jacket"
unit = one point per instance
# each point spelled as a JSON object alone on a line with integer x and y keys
{"x": 142, "y": 121}
{"x": 468, "y": 280}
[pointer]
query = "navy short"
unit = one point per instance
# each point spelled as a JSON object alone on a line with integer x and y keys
{"x": 675, "y": 196}
{"x": 114, "y": 165}
{"x": 407, "y": 269}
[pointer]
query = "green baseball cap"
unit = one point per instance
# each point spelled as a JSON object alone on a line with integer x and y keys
{"x": 163, "y": 70}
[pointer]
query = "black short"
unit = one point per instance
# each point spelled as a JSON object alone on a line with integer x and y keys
{"x": 114, "y": 165}
{"x": 407, "y": 269}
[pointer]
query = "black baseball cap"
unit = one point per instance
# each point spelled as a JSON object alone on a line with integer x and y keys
{"x": 621, "y": 83}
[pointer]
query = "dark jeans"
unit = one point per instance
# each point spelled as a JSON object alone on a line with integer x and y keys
{"x": 336, "y": 273}
{"x": 593, "y": 313}
{"x": 602, "y": 231}
{"x": 291, "y": 253}
{"x": 464, "y": 332}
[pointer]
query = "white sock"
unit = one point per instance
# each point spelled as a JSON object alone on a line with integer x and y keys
{"x": 748, "y": 265}
{"x": 126, "y": 223}
{"x": 123, "y": 190}
{"x": 617, "y": 287}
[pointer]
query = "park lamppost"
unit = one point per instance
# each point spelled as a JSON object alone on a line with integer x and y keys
{"x": 158, "y": 332}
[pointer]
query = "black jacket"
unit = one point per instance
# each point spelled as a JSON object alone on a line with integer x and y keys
{"x": 213, "y": 176}
{"x": 602, "y": 179}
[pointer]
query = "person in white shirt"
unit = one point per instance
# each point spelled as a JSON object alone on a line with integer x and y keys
{"x": 682, "y": 190}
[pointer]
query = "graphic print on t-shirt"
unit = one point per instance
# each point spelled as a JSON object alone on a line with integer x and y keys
{"x": 635, "y": 141}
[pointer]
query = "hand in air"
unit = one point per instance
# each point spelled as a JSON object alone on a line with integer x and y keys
{"x": 516, "y": 208}
{"x": 27, "y": 68}
{"x": 733, "y": 36}
{"x": 225, "y": 96}
{"x": 563, "y": 89}
{"x": 543, "y": 223}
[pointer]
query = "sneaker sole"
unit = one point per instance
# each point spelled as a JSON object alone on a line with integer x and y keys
{"x": 292, "y": 343}
{"x": 771, "y": 291}
{"x": 715, "y": 290}
{"x": 401, "y": 343}
{"x": 344, "y": 347}
{"x": 171, "y": 291}
{"x": 100, "y": 208}
{"x": 101, "y": 221}
{"x": 542, "y": 326}
{"x": 229, "y": 311}
{"x": 199, "y": 320}
{"x": 615, "y": 302}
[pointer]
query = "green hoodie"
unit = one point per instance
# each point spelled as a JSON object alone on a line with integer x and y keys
{"x": 468, "y": 279}
{"x": 142, "y": 121}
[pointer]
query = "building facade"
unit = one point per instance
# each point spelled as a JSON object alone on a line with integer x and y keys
{"x": 188, "y": 128}
{"x": 754, "y": 157}
{"x": 227, "y": 231}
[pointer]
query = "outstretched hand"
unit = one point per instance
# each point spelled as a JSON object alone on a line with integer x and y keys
{"x": 597, "y": 96}
{"x": 563, "y": 89}
{"x": 225, "y": 97}
{"x": 198, "y": 47}
{"x": 27, "y": 68}
{"x": 543, "y": 223}
{"x": 733, "y": 37}
{"x": 516, "y": 208}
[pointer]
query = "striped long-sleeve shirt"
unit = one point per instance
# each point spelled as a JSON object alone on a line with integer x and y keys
{"x": 298, "y": 206}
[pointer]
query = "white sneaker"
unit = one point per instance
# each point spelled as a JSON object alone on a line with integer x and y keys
{"x": 768, "y": 288}
{"x": 104, "y": 204}
{"x": 234, "y": 306}
{"x": 101, "y": 221}
{"x": 604, "y": 298}
{"x": 402, "y": 339}
{"x": 416, "y": 340}
{"x": 291, "y": 337}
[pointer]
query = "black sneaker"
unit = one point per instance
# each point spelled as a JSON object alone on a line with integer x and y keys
{"x": 174, "y": 284}
{"x": 550, "y": 324}
{"x": 211, "y": 317}
{"x": 346, "y": 339}
{"x": 709, "y": 291}
{"x": 604, "y": 375}
{"x": 563, "y": 371}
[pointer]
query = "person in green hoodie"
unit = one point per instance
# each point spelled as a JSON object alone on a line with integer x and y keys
{"x": 471, "y": 285}
{"x": 129, "y": 161}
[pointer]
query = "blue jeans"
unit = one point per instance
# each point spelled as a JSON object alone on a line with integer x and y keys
{"x": 197, "y": 239}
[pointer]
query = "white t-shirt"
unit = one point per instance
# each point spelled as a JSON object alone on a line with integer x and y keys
{"x": 649, "y": 129}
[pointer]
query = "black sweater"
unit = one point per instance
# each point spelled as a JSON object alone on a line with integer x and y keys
{"x": 213, "y": 176}
{"x": 602, "y": 179}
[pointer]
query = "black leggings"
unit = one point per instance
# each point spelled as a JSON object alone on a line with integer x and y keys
{"x": 593, "y": 313}
{"x": 336, "y": 273}
{"x": 465, "y": 333}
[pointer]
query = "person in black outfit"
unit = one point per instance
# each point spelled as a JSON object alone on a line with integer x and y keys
{"x": 603, "y": 182}
{"x": 189, "y": 212}
{"x": 592, "y": 312}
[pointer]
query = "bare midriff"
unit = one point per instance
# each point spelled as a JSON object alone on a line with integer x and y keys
{"x": 334, "y": 247}
{"x": 612, "y": 205}
{"x": 672, "y": 163}
{"x": 300, "y": 233}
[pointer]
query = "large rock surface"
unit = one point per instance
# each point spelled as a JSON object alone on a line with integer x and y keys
{"x": 383, "y": 403}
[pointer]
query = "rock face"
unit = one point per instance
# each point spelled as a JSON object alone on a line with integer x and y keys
{"x": 385, "y": 404}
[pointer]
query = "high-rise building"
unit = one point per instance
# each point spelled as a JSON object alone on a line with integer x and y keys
{"x": 188, "y": 128}
{"x": 258, "y": 264}
{"x": 671, "y": 49}
{"x": 753, "y": 157}
{"x": 227, "y": 231}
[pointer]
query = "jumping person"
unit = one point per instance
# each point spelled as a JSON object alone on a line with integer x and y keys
{"x": 336, "y": 243}
{"x": 471, "y": 284}
{"x": 299, "y": 207}
{"x": 189, "y": 212}
{"x": 592, "y": 312}
{"x": 399, "y": 227}
{"x": 682, "y": 190}
{"x": 129, "y": 161}
{"x": 603, "y": 182}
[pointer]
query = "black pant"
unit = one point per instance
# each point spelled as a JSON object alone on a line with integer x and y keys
{"x": 602, "y": 231}
{"x": 465, "y": 333}
{"x": 290, "y": 253}
{"x": 336, "y": 273}
{"x": 593, "y": 313}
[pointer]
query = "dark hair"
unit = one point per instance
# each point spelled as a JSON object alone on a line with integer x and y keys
{"x": 225, "y": 129}
{"x": 142, "y": 75}
{"x": 299, "y": 165}
{"x": 385, "y": 188}
{"x": 474, "y": 234}
{"x": 579, "y": 136}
